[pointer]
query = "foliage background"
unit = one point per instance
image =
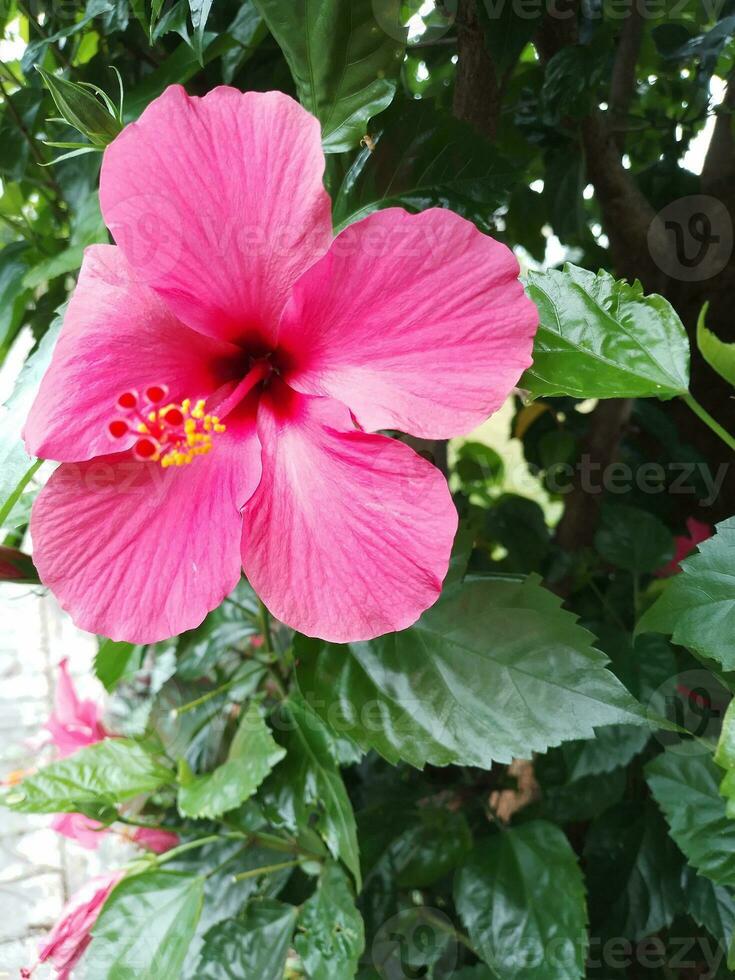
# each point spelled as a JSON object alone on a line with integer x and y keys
{"x": 417, "y": 846}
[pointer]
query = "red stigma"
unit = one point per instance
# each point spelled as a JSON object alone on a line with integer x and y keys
{"x": 174, "y": 417}
{"x": 128, "y": 400}
{"x": 146, "y": 448}
{"x": 156, "y": 393}
{"x": 118, "y": 428}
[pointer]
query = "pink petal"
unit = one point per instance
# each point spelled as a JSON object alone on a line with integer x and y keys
{"x": 417, "y": 322}
{"x": 140, "y": 553}
{"x": 158, "y": 841}
{"x": 348, "y": 535}
{"x": 74, "y": 722}
{"x": 117, "y": 335}
{"x": 219, "y": 204}
{"x": 71, "y": 935}
{"x": 86, "y": 832}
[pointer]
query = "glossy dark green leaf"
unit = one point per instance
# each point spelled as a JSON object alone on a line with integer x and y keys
{"x": 252, "y": 946}
{"x": 431, "y": 848}
{"x": 145, "y": 928}
{"x": 633, "y": 872}
{"x": 685, "y": 782}
{"x": 308, "y": 784}
{"x": 113, "y": 660}
{"x": 495, "y": 670}
{"x": 521, "y": 897}
{"x": 633, "y": 539}
{"x": 252, "y": 755}
{"x": 712, "y": 906}
{"x": 331, "y": 934}
{"x": 698, "y": 605}
{"x": 602, "y": 338}
{"x": 100, "y": 775}
{"x": 612, "y": 747}
{"x": 344, "y": 65}
{"x": 15, "y": 463}
{"x": 424, "y": 158}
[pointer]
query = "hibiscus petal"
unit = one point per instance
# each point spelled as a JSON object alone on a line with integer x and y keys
{"x": 219, "y": 204}
{"x": 137, "y": 552}
{"x": 348, "y": 535}
{"x": 117, "y": 335}
{"x": 417, "y": 322}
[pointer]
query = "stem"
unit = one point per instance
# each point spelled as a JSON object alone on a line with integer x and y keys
{"x": 713, "y": 424}
{"x": 265, "y": 620}
{"x": 192, "y": 844}
{"x": 197, "y": 702}
{"x": 267, "y": 869}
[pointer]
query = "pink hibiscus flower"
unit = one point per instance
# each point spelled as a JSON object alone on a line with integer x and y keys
{"x": 685, "y": 544}
{"x": 222, "y": 371}
{"x": 71, "y": 935}
{"x": 74, "y": 722}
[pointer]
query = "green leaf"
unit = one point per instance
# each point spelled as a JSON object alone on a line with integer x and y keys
{"x": 508, "y": 29}
{"x": 716, "y": 352}
{"x": 633, "y": 539}
{"x": 424, "y": 158}
{"x": 15, "y": 463}
{"x": 494, "y": 671}
{"x": 725, "y": 757}
{"x": 252, "y": 755}
{"x": 69, "y": 260}
{"x": 145, "y": 927}
{"x": 599, "y": 338}
{"x": 14, "y": 147}
{"x": 521, "y": 897}
{"x": 309, "y": 782}
{"x": 96, "y": 777}
{"x": 199, "y": 10}
{"x": 612, "y": 747}
{"x": 712, "y": 906}
{"x": 331, "y": 934}
{"x": 698, "y": 605}
{"x": 427, "y": 851}
{"x": 252, "y": 946}
{"x": 633, "y": 871}
{"x": 345, "y": 67}
{"x": 80, "y": 107}
{"x": 685, "y": 783}
{"x": 13, "y": 294}
{"x": 112, "y": 660}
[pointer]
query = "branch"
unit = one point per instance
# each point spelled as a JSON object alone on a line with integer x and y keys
{"x": 622, "y": 82}
{"x": 477, "y": 94}
{"x": 718, "y": 170}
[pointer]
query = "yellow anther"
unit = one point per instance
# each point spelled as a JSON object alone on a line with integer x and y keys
{"x": 181, "y": 443}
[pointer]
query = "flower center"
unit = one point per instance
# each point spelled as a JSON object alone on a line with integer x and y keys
{"x": 171, "y": 434}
